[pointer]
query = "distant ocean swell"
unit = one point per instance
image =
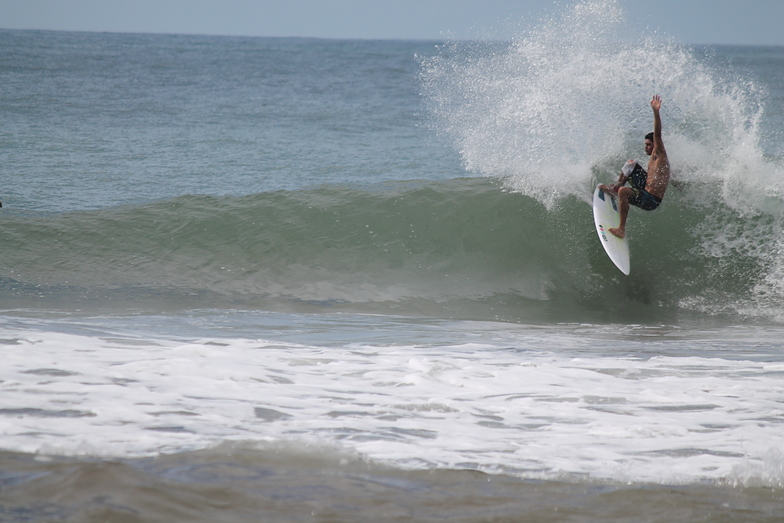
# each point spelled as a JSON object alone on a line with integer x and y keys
{"x": 460, "y": 248}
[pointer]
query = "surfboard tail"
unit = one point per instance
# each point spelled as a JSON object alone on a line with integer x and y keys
{"x": 605, "y": 217}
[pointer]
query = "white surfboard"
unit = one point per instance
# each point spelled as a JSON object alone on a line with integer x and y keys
{"x": 605, "y": 217}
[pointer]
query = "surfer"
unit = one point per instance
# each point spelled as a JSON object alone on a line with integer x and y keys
{"x": 646, "y": 189}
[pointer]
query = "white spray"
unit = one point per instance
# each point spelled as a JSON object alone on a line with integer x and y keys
{"x": 567, "y": 103}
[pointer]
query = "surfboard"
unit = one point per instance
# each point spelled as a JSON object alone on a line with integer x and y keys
{"x": 606, "y": 216}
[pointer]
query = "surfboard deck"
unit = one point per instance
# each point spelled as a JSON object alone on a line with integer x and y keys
{"x": 606, "y": 216}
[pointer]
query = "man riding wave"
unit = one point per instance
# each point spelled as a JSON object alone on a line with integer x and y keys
{"x": 646, "y": 190}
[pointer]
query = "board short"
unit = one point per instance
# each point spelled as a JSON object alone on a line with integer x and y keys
{"x": 644, "y": 200}
{"x": 638, "y": 179}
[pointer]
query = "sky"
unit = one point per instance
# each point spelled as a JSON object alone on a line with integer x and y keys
{"x": 734, "y": 22}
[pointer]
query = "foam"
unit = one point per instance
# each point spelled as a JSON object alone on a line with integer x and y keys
{"x": 539, "y": 403}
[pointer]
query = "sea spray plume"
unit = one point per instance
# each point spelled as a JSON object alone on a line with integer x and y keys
{"x": 537, "y": 107}
{"x": 566, "y": 103}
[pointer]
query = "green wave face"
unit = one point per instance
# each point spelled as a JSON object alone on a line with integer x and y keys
{"x": 458, "y": 248}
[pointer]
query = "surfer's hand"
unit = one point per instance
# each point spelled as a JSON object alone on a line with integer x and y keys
{"x": 656, "y": 102}
{"x": 609, "y": 189}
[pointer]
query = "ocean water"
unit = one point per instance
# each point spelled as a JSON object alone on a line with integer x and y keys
{"x": 265, "y": 279}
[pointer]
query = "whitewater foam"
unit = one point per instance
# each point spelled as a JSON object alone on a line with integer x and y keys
{"x": 537, "y": 404}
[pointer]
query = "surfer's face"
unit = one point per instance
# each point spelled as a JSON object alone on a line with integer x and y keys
{"x": 648, "y": 147}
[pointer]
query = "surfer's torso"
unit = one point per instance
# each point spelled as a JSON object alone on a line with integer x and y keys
{"x": 638, "y": 181}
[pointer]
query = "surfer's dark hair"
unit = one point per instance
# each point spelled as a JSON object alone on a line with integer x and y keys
{"x": 649, "y": 136}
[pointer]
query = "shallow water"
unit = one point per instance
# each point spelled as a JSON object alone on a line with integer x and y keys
{"x": 284, "y": 483}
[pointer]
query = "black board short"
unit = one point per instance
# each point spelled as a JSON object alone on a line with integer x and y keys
{"x": 644, "y": 200}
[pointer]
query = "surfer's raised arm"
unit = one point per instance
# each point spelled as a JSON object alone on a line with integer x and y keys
{"x": 658, "y": 144}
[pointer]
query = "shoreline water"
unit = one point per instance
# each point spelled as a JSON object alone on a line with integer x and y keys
{"x": 242, "y": 483}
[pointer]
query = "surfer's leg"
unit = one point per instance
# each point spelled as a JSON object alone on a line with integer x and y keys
{"x": 624, "y": 193}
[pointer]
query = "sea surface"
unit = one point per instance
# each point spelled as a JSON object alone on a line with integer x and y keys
{"x": 284, "y": 279}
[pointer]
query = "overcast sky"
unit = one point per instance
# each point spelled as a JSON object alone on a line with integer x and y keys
{"x": 751, "y": 22}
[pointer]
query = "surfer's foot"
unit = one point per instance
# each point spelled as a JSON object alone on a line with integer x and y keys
{"x": 620, "y": 233}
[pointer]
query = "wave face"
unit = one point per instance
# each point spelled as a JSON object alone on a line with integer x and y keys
{"x": 457, "y": 248}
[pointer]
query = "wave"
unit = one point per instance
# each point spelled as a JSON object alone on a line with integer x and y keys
{"x": 457, "y": 248}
